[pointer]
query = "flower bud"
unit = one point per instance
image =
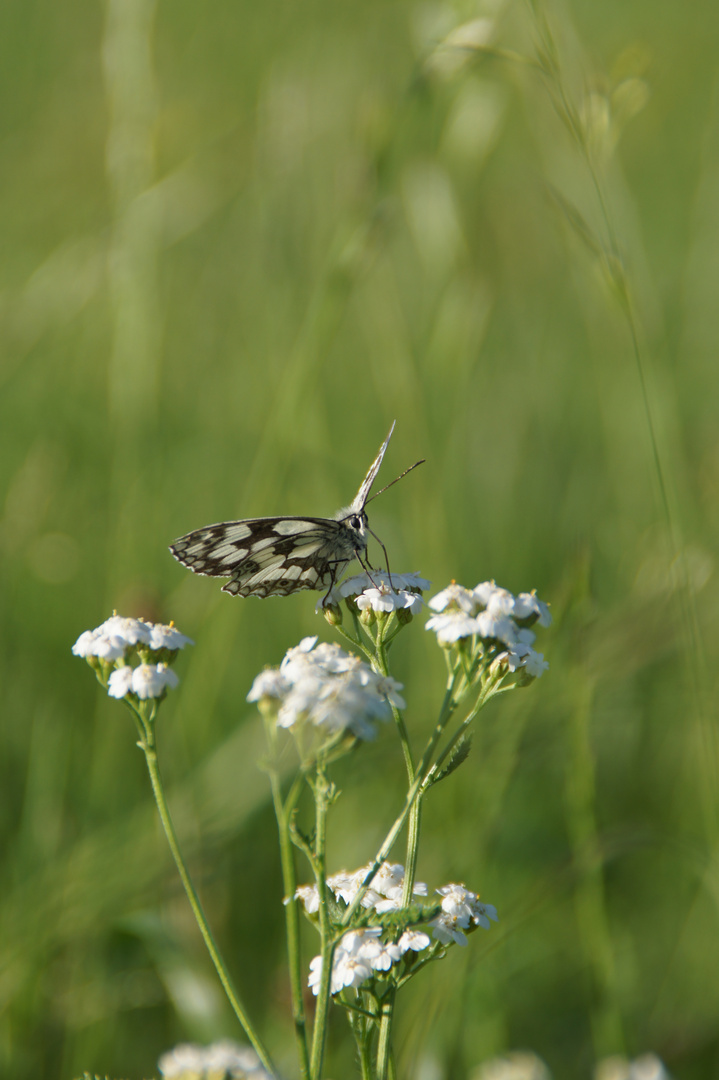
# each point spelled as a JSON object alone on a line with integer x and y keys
{"x": 499, "y": 665}
{"x": 333, "y": 614}
{"x": 368, "y": 617}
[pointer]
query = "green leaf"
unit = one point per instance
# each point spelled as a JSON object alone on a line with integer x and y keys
{"x": 459, "y": 754}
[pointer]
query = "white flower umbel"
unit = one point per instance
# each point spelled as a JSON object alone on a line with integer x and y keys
{"x": 494, "y": 621}
{"x": 357, "y": 956}
{"x": 118, "y": 635}
{"x": 362, "y": 953}
{"x": 145, "y": 681}
{"x": 110, "y": 647}
{"x": 224, "y": 1058}
{"x": 379, "y": 579}
{"x": 517, "y": 1065}
{"x": 460, "y": 909}
{"x": 328, "y": 688}
{"x": 106, "y": 647}
{"x": 384, "y": 893}
{"x": 376, "y": 596}
{"x": 112, "y": 639}
{"x": 351, "y": 964}
{"x": 386, "y": 600}
{"x": 645, "y": 1067}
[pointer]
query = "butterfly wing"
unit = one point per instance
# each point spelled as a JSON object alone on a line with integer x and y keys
{"x": 362, "y": 495}
{"x": 268, "y": 556}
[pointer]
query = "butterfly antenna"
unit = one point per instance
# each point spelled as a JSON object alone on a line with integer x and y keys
{"x": 384, "y": 549}
{"x": 421, "y": 462}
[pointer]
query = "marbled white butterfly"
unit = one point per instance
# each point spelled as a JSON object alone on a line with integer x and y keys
{"x": 275, "y": 556}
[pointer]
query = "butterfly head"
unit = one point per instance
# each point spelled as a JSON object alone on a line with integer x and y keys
{"x": 354, "y": 518}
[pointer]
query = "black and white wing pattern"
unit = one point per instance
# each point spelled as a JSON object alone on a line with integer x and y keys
{"x": 276, "y": 556}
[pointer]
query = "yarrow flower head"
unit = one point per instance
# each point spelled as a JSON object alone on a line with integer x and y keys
{"x": 118, "y": 636}
{"x": 113, "y": 639}
{"x": 220, "y": 1061}
{"x": 517, "y": 1065}
{"x": 378, "y": 594}
{"x": 351, "y": 962}
{"x": 384, "y": 893}
{"x": 645, "y": 1067}
{"x": 111, "y": 646}
{"x": 361, "y": 954}
{"x": 328, "y": 689}
{"x": 495, "y": 620}
{"x": 145, "y": 681}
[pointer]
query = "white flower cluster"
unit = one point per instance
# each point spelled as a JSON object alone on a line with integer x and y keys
{"x": 516, "y": 1065}
{"x": 377, "y": 593}
{"x": 145, "y": 681}
{"x": 117, "y": 635}
{"x": 493, "y": 614}
{"x": 119, "y": 638}
{"x": 216, "y": 1062}
{"x": 329, "y": 688}
{"x": 524, "y": 1065}
{"x": 384, "y": 893}
{"x": 646, "y": 1067}
{"x": 362, "y": 952}
{"x": 460, "y": 909}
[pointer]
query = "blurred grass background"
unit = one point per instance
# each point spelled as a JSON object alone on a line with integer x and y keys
{"x": 238, "y": 240}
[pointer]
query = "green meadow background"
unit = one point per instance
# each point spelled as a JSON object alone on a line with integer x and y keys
{"x": 238, "y": 240}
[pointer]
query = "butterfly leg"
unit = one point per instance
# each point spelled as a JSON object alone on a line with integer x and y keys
{"x": 366, "y": 566}
{"x": 336, "y": 567}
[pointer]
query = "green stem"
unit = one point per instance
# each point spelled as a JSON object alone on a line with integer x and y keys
{"x": 283, "y": 813}
{"x": 147, "y": 744}
{"x": 590, "y": 890}
{"x": 413, "y": 833}
{"x": 410, "y": 866}
{"x": 484, "y": 695}
{"x": 356, "y": 641}
{"x": 382, "y": 665}
{"x": 411, "y": 856}
{"x": 360, "y": 1030}
{"x": 319, "y": 1034}
{"x": 384, "y": 1045}
{"x": 448, "y": 707}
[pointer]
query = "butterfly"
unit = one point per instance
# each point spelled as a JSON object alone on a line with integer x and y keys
{"x": 276, "y": 556}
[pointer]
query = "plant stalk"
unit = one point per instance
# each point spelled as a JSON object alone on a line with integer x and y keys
{"x": 147, "y": 744}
